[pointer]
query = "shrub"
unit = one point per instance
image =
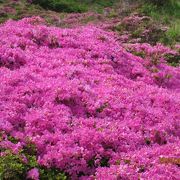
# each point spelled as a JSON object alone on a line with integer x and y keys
{"x": 90, "y": 106}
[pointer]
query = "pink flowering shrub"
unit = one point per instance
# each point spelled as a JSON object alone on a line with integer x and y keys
{"x": 92, "y": 108}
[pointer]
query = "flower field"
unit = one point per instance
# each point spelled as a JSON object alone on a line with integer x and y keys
{"x": 91, "y": 106}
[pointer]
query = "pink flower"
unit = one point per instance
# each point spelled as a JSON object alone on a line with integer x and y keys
{"x": 33, "y": 174}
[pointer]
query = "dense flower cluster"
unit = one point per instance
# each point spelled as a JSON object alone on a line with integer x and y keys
{"x": 93, "y": 109}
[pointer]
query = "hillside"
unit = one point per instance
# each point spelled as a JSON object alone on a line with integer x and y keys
{"x": 88, "y": 95}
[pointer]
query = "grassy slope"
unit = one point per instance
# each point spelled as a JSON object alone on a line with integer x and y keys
{"x": 167, "y": 14}
{"x": 78, "y": 6}
{"x": 56, "y": 8}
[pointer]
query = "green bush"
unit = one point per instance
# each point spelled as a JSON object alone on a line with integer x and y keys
{"x": 15, "y": 167}
{"x": 11, "y": 167}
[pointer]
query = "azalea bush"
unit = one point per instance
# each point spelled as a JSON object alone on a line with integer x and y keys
{"x": 91, "y": 106}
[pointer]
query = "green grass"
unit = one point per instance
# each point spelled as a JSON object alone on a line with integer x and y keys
{"x": 74, "y": 5}
{"x": 167, "y": 14}
{"x": 173, "y": 34}
{"x": 62, "y": 5}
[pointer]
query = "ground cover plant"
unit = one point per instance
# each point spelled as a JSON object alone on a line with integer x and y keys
{"x": 96, "y": 97}
{"x": 79, "y": 103}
